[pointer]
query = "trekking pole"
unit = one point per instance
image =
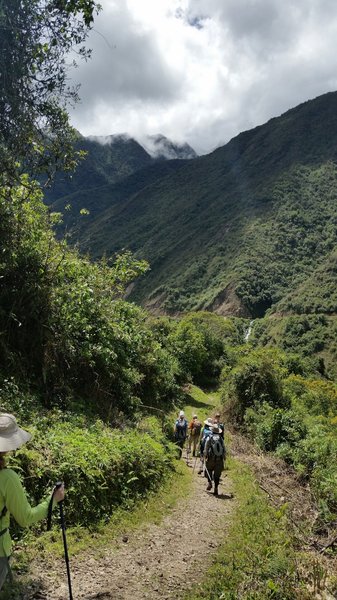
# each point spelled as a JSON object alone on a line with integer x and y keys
{"x": 63, "y": 527}
{"x": 66, "y": 557}
{"x": 187, "y": 453}
{"x": 195, "y": 462}
{"x": 207, "y": 471}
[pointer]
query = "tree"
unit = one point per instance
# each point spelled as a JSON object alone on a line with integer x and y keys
{"x": 37, "y": 37}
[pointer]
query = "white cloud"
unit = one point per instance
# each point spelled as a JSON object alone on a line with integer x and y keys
{"x": 201, "y": 71}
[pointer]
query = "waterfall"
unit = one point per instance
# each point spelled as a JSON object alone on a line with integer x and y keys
{"x": 248, "y": 331}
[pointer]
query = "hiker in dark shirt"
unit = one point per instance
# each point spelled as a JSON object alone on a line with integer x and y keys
{"x": 214, "y": 456}
{"x": 180, "y": 432}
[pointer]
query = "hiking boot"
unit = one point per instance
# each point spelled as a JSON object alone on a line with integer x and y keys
{"x": 209, "y": 487}
{"x": 216, "y": 493}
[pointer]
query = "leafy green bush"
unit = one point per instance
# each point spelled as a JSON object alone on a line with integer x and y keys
{"x": 199, "y": 343}
{"x": 272, "y": 427}
{"x": 101, "y": 468}
{"x": 257, "y": 379}
{"x": 315, "y": 396}
{"x": 63, "y": 326}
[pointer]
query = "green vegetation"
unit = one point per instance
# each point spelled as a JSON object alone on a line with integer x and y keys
{"x": 271, "y": 396}
{"x": 118, "y": 467}
{"x": 36, "y": 37}
{"x": 257, "y": 560}
{"x": 108, "y": 174}
{"x": 200, "y": 342}
{"x": 240, "y": 231}
{"x": 48, "y": 546}
{"x": 236, "y": 231}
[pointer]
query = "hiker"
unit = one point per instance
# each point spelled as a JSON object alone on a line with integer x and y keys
{"x": 214, "y": 455}
{"x": 194, "y": 429}
{"x": 13, "y": 499}
{"x": 217, "y": 421}
{"x": 180, "y": 432}
{"x": 206, "y": 431}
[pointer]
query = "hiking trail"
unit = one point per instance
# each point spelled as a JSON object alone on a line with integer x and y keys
{"x": 158, "y": 562}
{"x": 154, "y": 561}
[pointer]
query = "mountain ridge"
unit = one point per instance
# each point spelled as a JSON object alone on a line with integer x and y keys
{"x": 209, "y": 228}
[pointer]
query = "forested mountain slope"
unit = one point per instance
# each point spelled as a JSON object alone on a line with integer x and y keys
{"x": 234, "y": 231}
{"x": 104, "y": 170}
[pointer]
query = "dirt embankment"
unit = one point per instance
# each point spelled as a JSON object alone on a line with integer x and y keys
{"x": 284, "y": 486}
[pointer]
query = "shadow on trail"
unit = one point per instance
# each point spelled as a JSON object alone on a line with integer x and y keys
{"x": 196, "y": 403}
{"x": 100, "y": 596}
{"x": 221, "y": 496}
{"x": 225, "y": 497}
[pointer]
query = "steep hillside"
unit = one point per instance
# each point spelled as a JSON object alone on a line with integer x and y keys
{"x": 109, "y": 171}
{"x": 96, "y": 200}
{"x": 237, "y": 230}
{"x": 107, "y": 160}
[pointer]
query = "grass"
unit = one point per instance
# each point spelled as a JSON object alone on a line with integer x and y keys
{"x": 257, "y": 560}
{"x": 150, "y": 510}
{"x": 200, "y": 402}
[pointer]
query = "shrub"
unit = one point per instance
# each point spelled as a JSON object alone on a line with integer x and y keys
{"x": 272, "y": 427}
{"x": 257, "y": 379}
{"x": 101, "y": 468}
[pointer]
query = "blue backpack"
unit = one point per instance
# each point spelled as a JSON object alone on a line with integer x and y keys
{"x": 205, "y": 434}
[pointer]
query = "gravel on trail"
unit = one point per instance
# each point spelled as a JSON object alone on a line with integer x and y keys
{"x": 157, "y": 562}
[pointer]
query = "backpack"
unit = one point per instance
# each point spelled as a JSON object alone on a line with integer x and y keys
{"x": 196, "y": 428}
{"x": 216, "y": 446}
{"x": 181, "y": 429}
{"x": 205, "y": 434}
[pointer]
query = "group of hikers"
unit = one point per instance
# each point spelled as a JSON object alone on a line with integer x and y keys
{"x": 205, "y": 440}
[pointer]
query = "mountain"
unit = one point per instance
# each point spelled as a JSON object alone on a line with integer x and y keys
{"x": 158, "y": 146}
{"x": 109, "y": 169}
{"x": 240, "y": 229}
{"x": 106, "y": 160}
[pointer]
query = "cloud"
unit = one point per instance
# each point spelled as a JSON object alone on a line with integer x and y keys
{"x": 201, "y": 71}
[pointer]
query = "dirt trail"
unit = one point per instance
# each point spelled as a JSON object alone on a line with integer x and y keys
{"x": 160, "y": 562}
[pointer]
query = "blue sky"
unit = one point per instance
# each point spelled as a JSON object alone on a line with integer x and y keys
{"x": 201, "y": 71}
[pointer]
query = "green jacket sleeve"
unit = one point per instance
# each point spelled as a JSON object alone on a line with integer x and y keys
{"x": 18, "y": 505}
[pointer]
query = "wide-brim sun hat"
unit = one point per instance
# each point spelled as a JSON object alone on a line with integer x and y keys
{"x": 12, "y": 436}
{"x": 208, "y": 422}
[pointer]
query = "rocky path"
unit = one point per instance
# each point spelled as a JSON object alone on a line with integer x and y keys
{"x": 160, "y": 562}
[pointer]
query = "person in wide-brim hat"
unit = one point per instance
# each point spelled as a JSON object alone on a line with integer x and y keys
{"x": 206, "y": 431}
{"x": 12, "y": 436}
{"x": 13, "y": 499}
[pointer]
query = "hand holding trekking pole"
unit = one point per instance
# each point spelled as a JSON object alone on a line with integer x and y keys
{"x": 58, "y": 493}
